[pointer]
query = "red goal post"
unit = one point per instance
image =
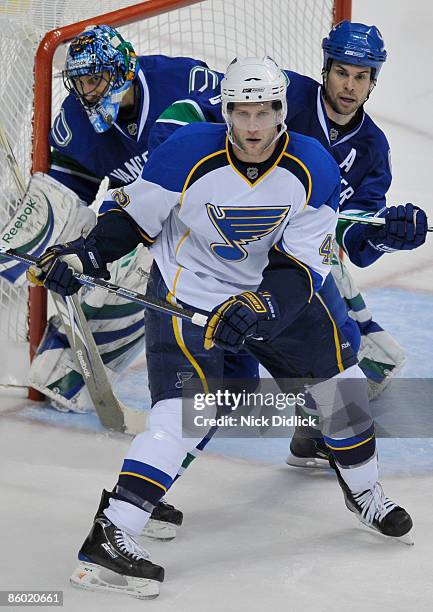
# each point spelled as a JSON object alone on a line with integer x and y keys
{"x": 213, "y": 30}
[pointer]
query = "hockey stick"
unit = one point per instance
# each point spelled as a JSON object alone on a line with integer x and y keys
{"x": 112, "y": 413}
{"x": 169, "y": 309}
{"x": 369, "y": 220}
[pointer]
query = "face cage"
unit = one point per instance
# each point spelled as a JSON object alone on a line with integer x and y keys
{"x": 71, "y": 87}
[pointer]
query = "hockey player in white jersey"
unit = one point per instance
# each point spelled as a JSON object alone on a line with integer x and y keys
{"x": 243, "y": 230}
{"x": 101, "y": 130}
{"x": 333, "y": 113}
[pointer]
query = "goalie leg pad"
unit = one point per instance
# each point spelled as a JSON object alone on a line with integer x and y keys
{"x": 49, "y": 213}
{"x": 118, "y": 329}
{"x": 380, "y": 356}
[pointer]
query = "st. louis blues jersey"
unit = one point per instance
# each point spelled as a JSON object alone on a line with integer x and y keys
{"x": 81, "y": 158}
{"x": 213, "y": 224}
{"x": 362, "y": 153}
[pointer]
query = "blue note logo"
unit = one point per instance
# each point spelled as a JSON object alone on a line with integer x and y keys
{"x": 182, "y": 378}
{"x": 239, "y": 226}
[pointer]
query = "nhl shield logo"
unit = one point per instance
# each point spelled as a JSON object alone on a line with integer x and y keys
{"x": 132, "y": 129}
{"x": 333, "y": 134}
{"x": 252, "y": 173}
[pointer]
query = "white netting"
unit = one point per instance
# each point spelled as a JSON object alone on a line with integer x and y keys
{"x": 290, "y": 31}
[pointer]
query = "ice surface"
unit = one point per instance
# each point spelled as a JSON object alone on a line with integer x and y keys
{"x": 255, "y": 536}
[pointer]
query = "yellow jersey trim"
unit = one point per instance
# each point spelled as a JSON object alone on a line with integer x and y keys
{"x": 307, "y": 172}
{"x": 199, "y": 163}
{"x": 254, "y": 183}
{"x": 144, "y": 478}
{"x": 184, "y": 237}
{"x": 336, "y": 338}
{"x": 350, "y": 447}
{"x": 176, "y": 327}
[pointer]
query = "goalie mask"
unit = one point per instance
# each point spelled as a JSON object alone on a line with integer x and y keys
{"x": 100, "y": 67}
{"x": 255, "y": 80}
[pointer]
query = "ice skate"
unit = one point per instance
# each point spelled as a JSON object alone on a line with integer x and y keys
{"x": 163, "y": 521}
{"x": 111, "y": 560}
{"x": 307, "y": 452}
{"x": 377, "y": 511}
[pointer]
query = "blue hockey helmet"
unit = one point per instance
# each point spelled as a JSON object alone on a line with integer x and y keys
{"x": 354, "y": 43}
{"x": 100, "y": 51}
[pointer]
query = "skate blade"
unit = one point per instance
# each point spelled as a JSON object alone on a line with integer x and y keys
{"x": 159, "y": 530}
{"x": 406, "y": 539}
{"x": 97, "y": 578}
{"x": 307, "y": 462}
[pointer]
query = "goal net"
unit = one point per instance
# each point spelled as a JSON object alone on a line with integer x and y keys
{"x": 290, "y": 31}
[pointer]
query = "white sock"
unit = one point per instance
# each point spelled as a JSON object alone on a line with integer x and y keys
{"x": 127, "y": 517}
{"x": 362, "y": 477}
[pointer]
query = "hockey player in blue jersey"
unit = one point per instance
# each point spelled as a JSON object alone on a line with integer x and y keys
{"x": 333, "y": 113}
{"x": 114, "y": 99}
{"x": 353, "y": 55}
{"x": 244, "y": 210}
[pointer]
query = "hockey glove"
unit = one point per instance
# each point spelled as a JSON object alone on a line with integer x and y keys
{"x": 56, "y": 266}
{"x": 239, "y": 318}
{"x": 405, "y": 229}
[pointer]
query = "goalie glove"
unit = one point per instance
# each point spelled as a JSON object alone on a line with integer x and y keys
{"x": 56, "y": 266}
{"x": 239, "y": 318}
{"x": 405, "y": 229}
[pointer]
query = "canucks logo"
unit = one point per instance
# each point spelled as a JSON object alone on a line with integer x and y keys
{"x": 239, "y": 226}
{"x": 61, "y": 132}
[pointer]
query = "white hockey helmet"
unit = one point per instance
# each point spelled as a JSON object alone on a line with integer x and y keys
{"x": 254, "y": 79}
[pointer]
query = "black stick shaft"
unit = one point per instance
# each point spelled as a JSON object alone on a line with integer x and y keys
{"x": 133, "y": 296}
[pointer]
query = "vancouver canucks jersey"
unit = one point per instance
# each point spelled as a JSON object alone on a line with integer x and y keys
{"x": 362, "y": 153}
{"x": 81, "y": 158}
{"x": 215, "y": 224}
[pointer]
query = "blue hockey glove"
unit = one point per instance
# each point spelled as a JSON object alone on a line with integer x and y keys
{"x": 56, "y": 266}
{"x": 239, "y": 318}
{"x": 405, "y": 229}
